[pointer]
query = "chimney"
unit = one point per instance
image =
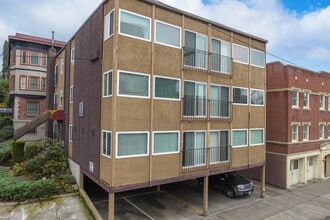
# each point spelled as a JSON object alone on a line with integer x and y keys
{"x": 53, "y": 39}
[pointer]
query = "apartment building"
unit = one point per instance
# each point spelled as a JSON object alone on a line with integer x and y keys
{"x": 298, "y": 125}
{"x": 28, "y": 80}
{"x": 156, "y": 95}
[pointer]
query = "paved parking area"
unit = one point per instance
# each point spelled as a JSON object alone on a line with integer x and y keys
{"x": 184, "y": 200}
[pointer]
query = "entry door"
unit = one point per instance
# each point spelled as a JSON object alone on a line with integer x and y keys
{"x": 294, "y": 168}
{"x": 310, "y": 168}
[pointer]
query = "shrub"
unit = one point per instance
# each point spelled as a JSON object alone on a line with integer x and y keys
{"x": 69, "y": 179}
{"x": 5, "y": 120}
{"x": 5, "y": 153}
{"x": 19, "y": 169}
{"x": 32, "y": 149}
{"x": 6, "y": 133}
{"x": 13, "y": 190}
{"x": 36, "y": 165}
{"x": 18, "y": 151}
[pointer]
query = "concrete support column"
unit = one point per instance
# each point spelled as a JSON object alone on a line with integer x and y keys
{"x": 111, "y": 206}
{"x": 206, "y": 196}
{"x": 305, "y": 169}
{"x": 262, "y": 182}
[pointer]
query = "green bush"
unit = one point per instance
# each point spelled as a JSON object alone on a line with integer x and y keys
{"x": 5, "y": 153}
{"x": 6, "y": 133}
{"x": 5, "y": 120}
{"x": 57, "y": 162}
{"x": 18, "y": 151}
{"x": 69, "y": 179}
{"x": 36, "y": 165}
{"x": 19, "y": 169}
{"x": 13, "y": 190}
{"x": 32, "y": 149}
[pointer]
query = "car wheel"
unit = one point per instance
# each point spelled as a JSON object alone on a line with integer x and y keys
{"x": 229, "y": 192}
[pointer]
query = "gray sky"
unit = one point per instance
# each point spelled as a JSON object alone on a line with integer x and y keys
{"x": 297, "y": 30}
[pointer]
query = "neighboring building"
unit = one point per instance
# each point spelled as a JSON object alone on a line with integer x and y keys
{"x": 298, "y": 125}
{"x": 28, "y": 80}
{"x": 160, "y": 95}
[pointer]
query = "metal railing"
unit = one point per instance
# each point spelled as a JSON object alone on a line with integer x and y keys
{"x": 194, "y": 107}
{"x": 220, "y": 63}
{"x": 195, "y": 58}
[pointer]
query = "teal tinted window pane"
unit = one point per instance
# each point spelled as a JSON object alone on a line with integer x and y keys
{"x": 239, "y": 138}
{"x": 257, "y": 58}
{"x": 167, "y": 88}
{"x": 240, "y": 95}
{"x": 134, "y": 25}
{"x": 165, "y": 142}
{"x": 132, "y": 144}
{"x": 133, "y": 84}
{"x": 167, "y": 34}
{"x": 257, "y": 137}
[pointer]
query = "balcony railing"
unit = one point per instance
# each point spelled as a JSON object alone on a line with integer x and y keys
{"x": 220, "y": 63}
{"x": 193, "y": 157}
{"x": 219, "y": 108}
{"x": 196, "y": 59}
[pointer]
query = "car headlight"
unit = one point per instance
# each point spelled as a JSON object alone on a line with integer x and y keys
{"x": 240, "y": 186}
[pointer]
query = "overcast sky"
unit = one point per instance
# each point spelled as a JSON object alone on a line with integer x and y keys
{"x": 297, "y": 30}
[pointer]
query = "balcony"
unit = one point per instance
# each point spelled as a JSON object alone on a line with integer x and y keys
{"x": 220, "y": 63}
{"x": 195, "y": 59}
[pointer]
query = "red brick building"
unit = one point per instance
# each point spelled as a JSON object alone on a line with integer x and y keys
{"x": 298, "y": 125}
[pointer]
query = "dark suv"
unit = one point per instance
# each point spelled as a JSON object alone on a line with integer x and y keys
{"x": 232, "y": 184}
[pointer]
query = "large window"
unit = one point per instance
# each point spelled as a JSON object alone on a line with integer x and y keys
{"x": 322, "y": 102}
{"x": 295, "y": 98}
{"x": 305, "y": 132}
{"x": 134, "y": 25}
{"x": 220, "y": 58}
{"x": 257, "y": 97}
{"x": 257, "y": 58}
{"x": 240, "y": 54}
{"x": 294, "y": 133}
{"x": 219, "y": 103}
{"x": 257, "y": 136}
{"x": 132, "y": 84}
{"x": 73, "y": 55}
{"x": 193, "y": 149}
{"x": 194, "y": 99}
{"x": 34, "y": 58}
{"x": 167, "y": 88}
{"x": 106, "y": 143}
{"x": 107, "y": 84}
{"x": 34, "y": 83}
{"x": 109, "y": 25}
{"x": 166, "y": 142}
{"x": 32, "y": 108}
{"x": 24, "y": 57}
{"x": 132, "y": 144}
{"x": 195, "y": 50}
{"x": 239, "y": 137}
{"x": 219, "y": 146}
{"x": 306, "y": 100}
{"x": 240, "y": 95}
{"x": 168, "y": 34}
{"x": 321, "y": 131}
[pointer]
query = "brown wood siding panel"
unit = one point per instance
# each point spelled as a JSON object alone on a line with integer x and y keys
{"x": 165, "y": 166}
{"x": 239, "y": 156}
{"x": 87, "y": 89}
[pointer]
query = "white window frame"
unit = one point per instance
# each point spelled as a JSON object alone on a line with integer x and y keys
{"x": 205, "y": 147}
{"x": 73, "y": 55}
{"x": 263, "y": 97}
{"x": 232, "y": 136}
{"x": 138, "y": 15}
{"x": 206, "y": 50}
{"x": 308, "y": 98}
{"x": 133, "y": 73}
{"x": 228, "y": 146}
{"x": 103, "y": 88}
{"x": 171, "y": 25}
{"x": 70, "y": 133}
{"x": 322, "y": 104}
{"x": 32, "y": 55}
{"x": 165, "y": 132}
{"x": 295, "y": 124}
{"x": 297, "y": 98}
{"x": 109, "y": 153}
{"x": 71, "y": 94}
{"x": 263, "y": 55}
{"x": 263, "y": 136}
{"x": 206, "y": 110}
{"x": 321, "y": 133}
{"x": 27, "y": 109}
{"x": 229, "y": 57}
{"x": 247, "y": 53}
{"x": 23, "y": 82}
{"x": 134, "y": 155}
{"x": 307, "y": 126}
{"x": 220, "y": 86}
{"x": 107, "y": 25}
{"x": 247, "y": 95}
{"x": 165, "y": 77}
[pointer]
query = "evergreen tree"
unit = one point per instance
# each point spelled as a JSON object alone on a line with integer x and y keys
{"x": 5, "y": 60}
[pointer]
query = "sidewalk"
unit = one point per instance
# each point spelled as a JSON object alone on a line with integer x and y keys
{"x": 67, "y": 206}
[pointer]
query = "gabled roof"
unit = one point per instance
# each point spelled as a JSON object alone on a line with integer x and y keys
{"x": 36, "y": 40}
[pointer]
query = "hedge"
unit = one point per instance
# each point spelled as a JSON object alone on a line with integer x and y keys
{"x": 18, "y": 151}
{"x": 5, "y": 153}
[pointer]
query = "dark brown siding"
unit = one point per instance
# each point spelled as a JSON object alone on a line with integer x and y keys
{"x": 87, "y": 89}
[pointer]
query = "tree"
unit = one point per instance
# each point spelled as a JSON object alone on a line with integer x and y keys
{"x": 5, "y": 60}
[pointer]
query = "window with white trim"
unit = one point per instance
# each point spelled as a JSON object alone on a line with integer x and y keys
{"x": 220, "y": 56}
{"x": 294, "y": 132}
{"x": 193, "y": 148}
{"x": 62, "y": 66}
{"x": 195, "y": 50}
{"x": 109, "y": 25}
{"x": 240, "y": 54}
{"x": 322, "y": 102}
{"x": 167, "y": 88}
{"x": 294, "y": 165}
{"x": 134, "y": 25}
{"x": 44, "y": 60}
{"x": 71, "y": 94}
{"x": 306, "y": 100}
{"x": 257, "y": 58}
{"x": 321, "y": 136}
{"x": 34, "y": 58}
{"x": 32, "y": 108}
{"x": 166, "y": 142}
{"x": 194, "y": 99}
{"x": 43, "y": 84}
{"x": 305, "y": 132}
{"x": 257, "y": 97}
{"x": 106, "y": 143}
{"x": 219, "y": 101}
{"x": 167, "y": 34}
{"x": 33, "y": 83}
{"x": 133, "y": 84}
{"x": 107, "y": 84}
{"x": 240, "y": 95}
{"x": 295, "y": 98}
{"x": 132, "y": 144}
{"x": 70, "y": 133}
{"x": 239, "y": 137}
{"x": 73, "y": 55}
{"x": 23, "y": 82}
{"x": 219, "y": 146}
{"x": 256, "y": 136}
